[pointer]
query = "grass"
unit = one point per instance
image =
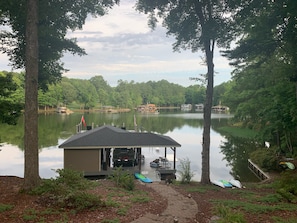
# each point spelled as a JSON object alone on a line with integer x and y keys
{"x": 5, "y": 207}
{"x": 36, "y": 216}
{"x": 239, "y": 204}
{"x": 111, "y": 221}
{"x": 112, "y": 203}
{"x": 123, "y": 211}
{"x": 227, "y": 215}
{"x": 201, "y": 189}
{"x": 282, "y": 220}
{"x": 255, "y": 207}
{"x": 238, "y": 132}
{"x": 140, "y": 199}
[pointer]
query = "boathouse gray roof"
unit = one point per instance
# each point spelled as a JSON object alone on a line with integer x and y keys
{"x": 112, "y": 137}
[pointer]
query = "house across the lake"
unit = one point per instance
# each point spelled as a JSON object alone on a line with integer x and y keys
{"x": 148, "y": 108}
{"x": 220, "y": 108}
{"x": 90, "y": 152}
{"x": 199, "y": 107}
{"x": 186, "y": 107}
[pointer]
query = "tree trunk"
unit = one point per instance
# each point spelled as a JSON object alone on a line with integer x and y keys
{"x": 31, "y": 168}
{"x": 205, "y": 178}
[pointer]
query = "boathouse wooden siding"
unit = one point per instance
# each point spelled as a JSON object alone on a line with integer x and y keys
{"x": 87, "y": 160}
{"x": 89, "y": 151}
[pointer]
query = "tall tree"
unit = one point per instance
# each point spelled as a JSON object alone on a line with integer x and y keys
{"x": 86, "y": 93}
{"x": 195, "y": 94}
{"x": 267, "y": 29}
{"x": 31, "y": 175}
{"x": 102, "y": 88}
{"x": 56, "y": 18}
{"x": 37, "y": 42}
{"x": 196, "y": 25}
{"x": 265, "y": 58}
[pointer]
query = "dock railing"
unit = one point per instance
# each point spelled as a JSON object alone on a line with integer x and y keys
{"x": 257, "y": 171}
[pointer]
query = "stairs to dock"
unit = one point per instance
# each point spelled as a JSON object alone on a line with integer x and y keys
{"x": 257, "y": 171}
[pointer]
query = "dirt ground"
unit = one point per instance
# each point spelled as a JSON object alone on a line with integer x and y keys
{"x": 28, "y": 208}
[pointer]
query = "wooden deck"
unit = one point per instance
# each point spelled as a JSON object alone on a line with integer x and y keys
{"x": 257, "y": 171}
{"x": 166, "y": 173}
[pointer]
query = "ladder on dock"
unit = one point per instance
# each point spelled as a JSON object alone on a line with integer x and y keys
{"x": 257, "y": 171}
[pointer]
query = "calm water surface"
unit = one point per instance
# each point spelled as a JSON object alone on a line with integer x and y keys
{"x": 54, "y": 129}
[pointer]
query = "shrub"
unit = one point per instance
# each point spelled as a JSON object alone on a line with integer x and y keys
{"x": 123, "y": 179}
{"x": 68, "y": 190}
{"x": 185, "y": 171}
{"x": 83, "y": 200}
{"x": 287, "y": 187}
{"x": 265, "y": 158}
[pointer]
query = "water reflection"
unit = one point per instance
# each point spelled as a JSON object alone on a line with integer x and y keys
{"x": 226, "y": 157}
{"x": 236, "y": 152}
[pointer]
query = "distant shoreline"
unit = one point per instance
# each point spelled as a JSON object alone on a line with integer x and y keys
{"x": 100, "y": 110}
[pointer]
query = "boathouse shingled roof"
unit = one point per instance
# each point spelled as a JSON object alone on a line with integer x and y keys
{"x": 112, "y": 137}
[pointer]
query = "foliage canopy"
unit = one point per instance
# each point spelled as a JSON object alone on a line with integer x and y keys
{"x": 56, "y": 18}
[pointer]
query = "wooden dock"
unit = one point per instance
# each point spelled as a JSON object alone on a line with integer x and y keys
{"x": 257, "y": 171}
{"x": 166, "y": 173}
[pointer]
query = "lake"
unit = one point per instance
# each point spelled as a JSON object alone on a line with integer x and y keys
{"x": 185, "y": 128}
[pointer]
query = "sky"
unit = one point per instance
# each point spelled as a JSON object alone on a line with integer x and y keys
{"x": 121, "y": 46}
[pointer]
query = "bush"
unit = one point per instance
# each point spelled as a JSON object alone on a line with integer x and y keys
{"x": 265, "y": 158}
{"x": 68, "y": 190}
{"x": 123, "y": 179}
{"x": 287, "y": 187}
{"x": 68, "y": 180}
{"x": 185, "y": 171}
{"x": 82, "y": 200}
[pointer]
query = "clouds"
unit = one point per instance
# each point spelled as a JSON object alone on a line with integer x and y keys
{"x": 120, "y": 45}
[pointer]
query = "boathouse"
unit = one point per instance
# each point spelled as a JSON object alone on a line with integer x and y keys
{"x": 90, "y": 151}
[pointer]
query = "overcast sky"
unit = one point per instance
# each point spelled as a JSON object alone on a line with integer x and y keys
{"x": 120, "y": 45}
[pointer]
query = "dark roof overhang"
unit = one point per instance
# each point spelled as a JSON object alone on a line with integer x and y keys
{"x": 112, "y": 137}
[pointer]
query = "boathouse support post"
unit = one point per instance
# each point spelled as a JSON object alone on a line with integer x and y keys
{"x": 174, "y": 157}
{"x": 139, "y": 159}
{"x": 104, "y": 164}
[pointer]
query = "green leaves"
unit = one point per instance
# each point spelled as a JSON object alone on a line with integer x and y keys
{"x": 56, "y": 18}
{"x": 10, "y": 107}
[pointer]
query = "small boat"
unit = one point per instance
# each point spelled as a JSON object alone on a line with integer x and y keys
{"x": 226, "y": 183}
{"x": 222, "y": 183}
{"x": 218, "y": 183}
{"x": 235, "y": 183}
{"x": 142, "y": 178}
{"x": 154, "y": 164}
{"x": 288, "y": 165}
